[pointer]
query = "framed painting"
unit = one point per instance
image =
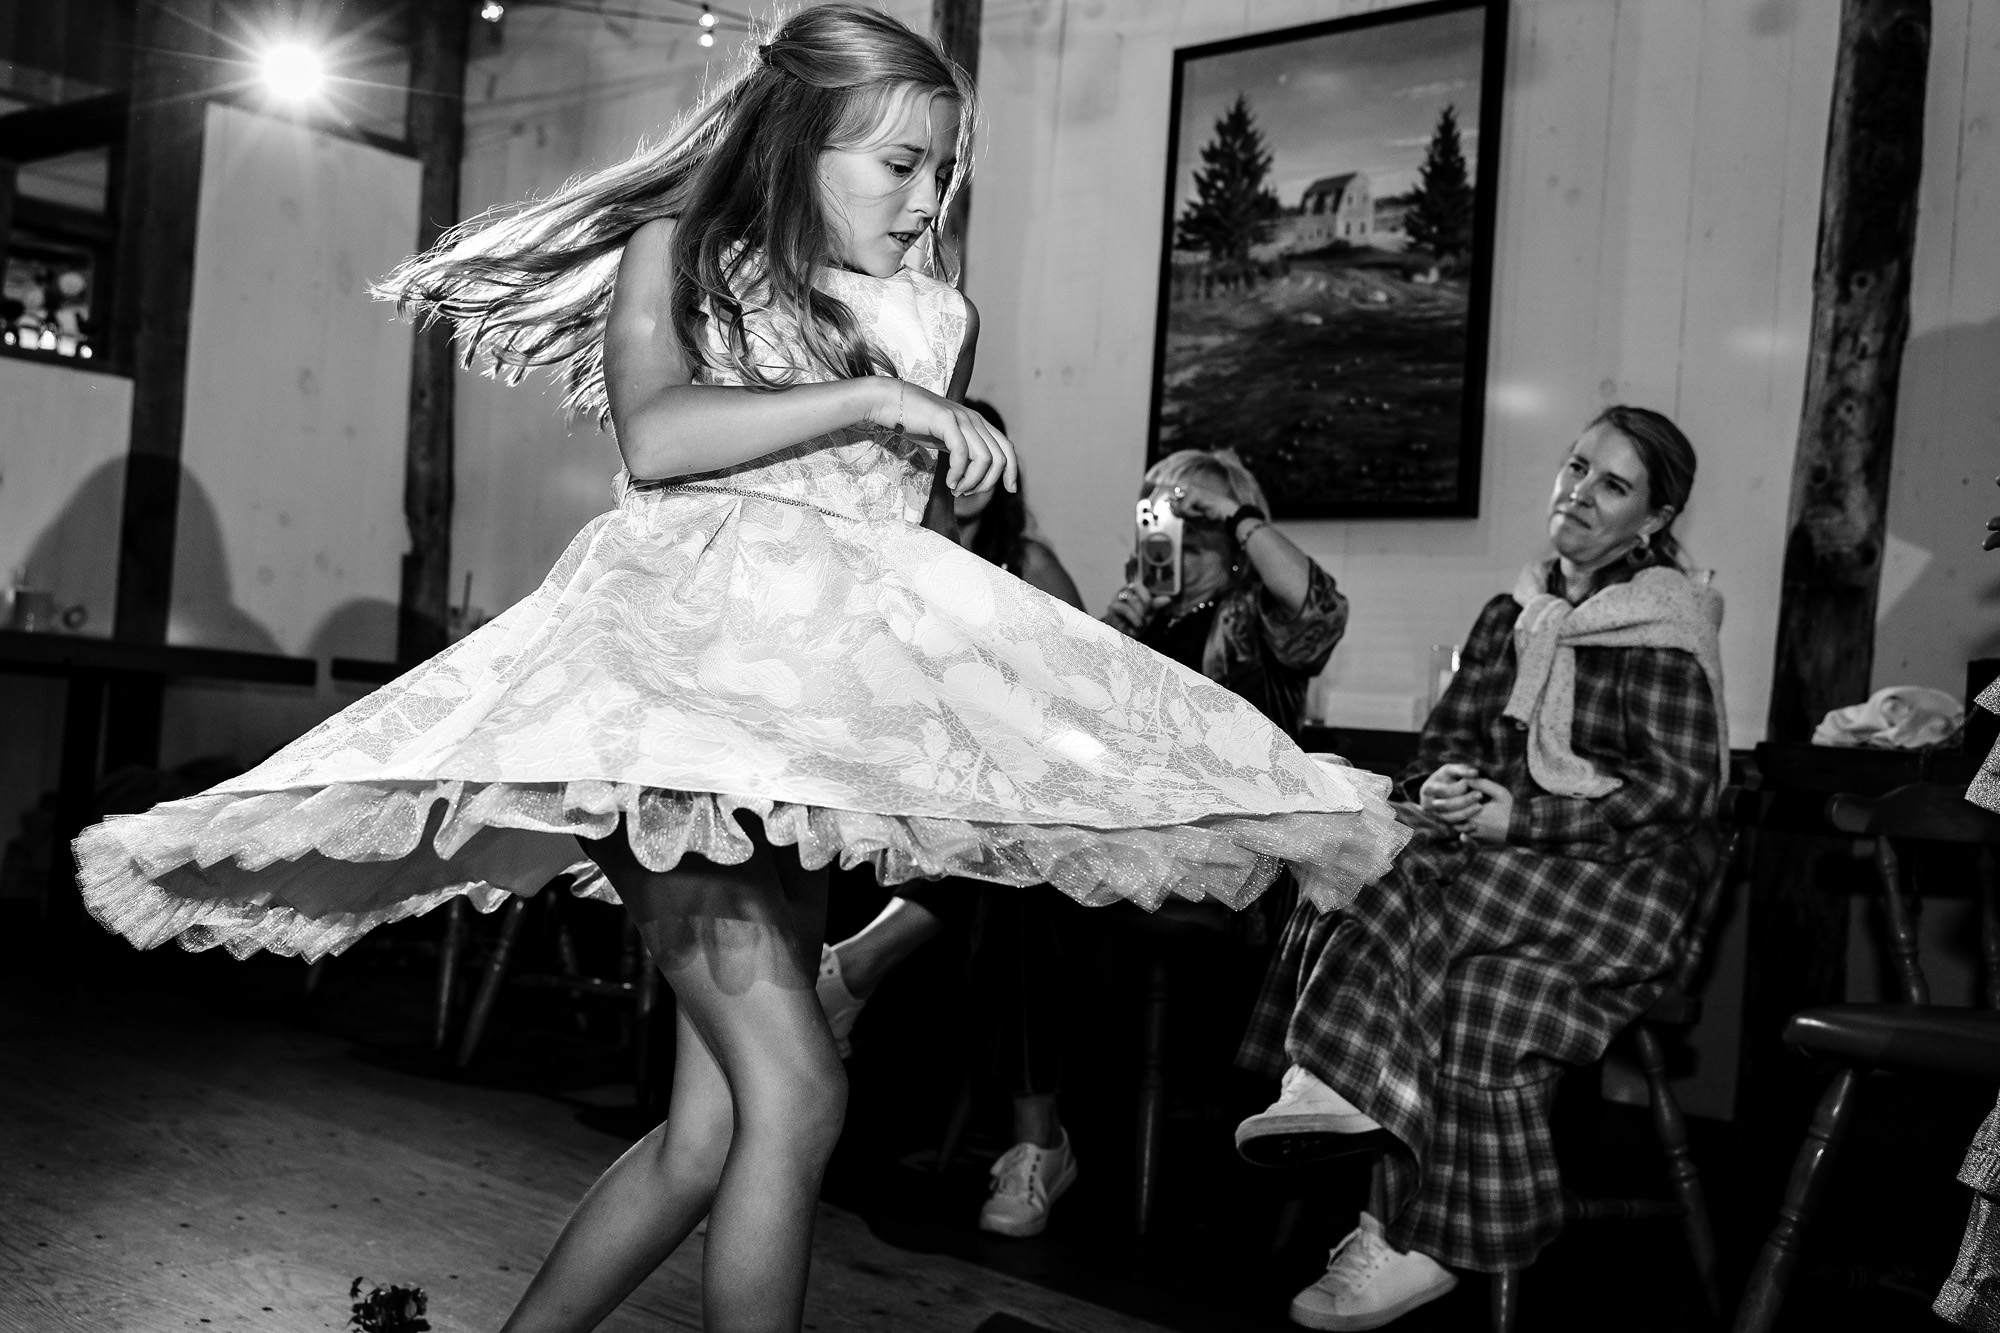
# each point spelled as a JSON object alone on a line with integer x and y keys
{"x": 1328, "y": 256}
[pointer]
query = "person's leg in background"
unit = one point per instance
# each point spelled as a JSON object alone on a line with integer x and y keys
{"x": 850, "y": 970}
{"x": 1020, "y": 973}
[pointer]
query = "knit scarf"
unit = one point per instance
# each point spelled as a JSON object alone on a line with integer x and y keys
{"x": 1656, "y": 608}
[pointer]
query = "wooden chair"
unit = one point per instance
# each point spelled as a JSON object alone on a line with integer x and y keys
{"x": 1925, "y": 812}
{"x": 637, "y": 982}
{"x": 1913, "y": 1037}
{"x": 1676, "y": 1011}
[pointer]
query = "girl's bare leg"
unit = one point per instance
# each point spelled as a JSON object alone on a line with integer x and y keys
{"x": 757, "y": 1104}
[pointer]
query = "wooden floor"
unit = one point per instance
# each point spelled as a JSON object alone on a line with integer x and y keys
{"x": 161, "y": 1168}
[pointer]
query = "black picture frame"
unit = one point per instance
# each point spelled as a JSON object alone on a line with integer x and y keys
{"x": 1335, "y": 293}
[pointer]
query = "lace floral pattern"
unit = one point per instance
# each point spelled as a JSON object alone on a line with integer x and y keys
{"x": 779, "y": 639}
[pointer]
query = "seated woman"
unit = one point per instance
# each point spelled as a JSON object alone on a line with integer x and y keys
{"x": 1559, "y": 789}
{"x": 1254, "y": 613}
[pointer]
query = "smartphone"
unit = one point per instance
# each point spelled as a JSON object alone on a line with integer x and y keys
{"x": 1159, "y": 547}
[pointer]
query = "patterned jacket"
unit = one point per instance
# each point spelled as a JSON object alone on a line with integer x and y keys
{"x": 1644, "y": 715}
{"x": 1268, "y": 654}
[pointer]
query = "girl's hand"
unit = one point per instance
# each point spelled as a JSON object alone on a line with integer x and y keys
{"x": 1191, "y": 499}
{"x": 1448, "y": 794}
{"x": 1132, "y": 607}
{"x": 1490, "y": 821}
{"x": 980, "y": 456}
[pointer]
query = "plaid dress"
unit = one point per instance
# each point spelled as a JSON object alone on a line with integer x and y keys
{"x": 1448, "y": 998}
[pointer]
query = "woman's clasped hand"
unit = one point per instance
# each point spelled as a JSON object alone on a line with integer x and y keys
{"x": 1476, "y": 806}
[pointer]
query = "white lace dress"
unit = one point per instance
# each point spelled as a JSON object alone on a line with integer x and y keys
{"x": 781, "y": 638}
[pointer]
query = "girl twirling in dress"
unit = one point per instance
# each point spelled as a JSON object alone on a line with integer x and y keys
{"x": 757, "y": 662}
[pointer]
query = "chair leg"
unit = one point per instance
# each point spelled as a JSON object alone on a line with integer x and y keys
{"x": 954, "y": 1125}
{"x": 1506, "y": 1300}
{"x": 1766, "y": 1292}
{"x": 566, "y": 955}
{"x": 449, "y": 954}
{"x": 1152, "y": 1097}
{"x": 646, "y": 997}
{"x": 489, "y": 985}
{"x": 1671, "y": 1127}
{"x": 1989, "y": 926}
{"x": 1902, "y": 925}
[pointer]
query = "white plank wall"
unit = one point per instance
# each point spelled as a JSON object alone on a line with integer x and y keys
{"x": 1940, "y": 593}
{"x": 63, "y": 437}
{"x": 1659, "y": 165}
{"x": 290, "y": 529}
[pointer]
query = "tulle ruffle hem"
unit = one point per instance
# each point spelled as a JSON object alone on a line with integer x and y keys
{"x": 307, "y": 872}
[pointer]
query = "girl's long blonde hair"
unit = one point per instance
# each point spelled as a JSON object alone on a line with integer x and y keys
{"x": 530, "y": 285}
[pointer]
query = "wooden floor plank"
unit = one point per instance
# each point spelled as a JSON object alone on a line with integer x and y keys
{"x": 155, "y": 1175}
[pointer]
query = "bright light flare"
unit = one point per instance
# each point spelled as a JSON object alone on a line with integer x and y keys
{"x": 707, "y": 17}
{"x": 707, "y": 38}
{"x": 292, "y": 72}
{"x": 493, "y": 11}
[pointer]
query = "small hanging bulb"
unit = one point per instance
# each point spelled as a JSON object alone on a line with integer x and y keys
{"x": 707, "y": 19}
{"x": 707, "y": 38}
{"x": 492, "y": 11}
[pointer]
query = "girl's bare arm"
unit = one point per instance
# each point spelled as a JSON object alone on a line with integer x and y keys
{"x": 669, "y": 426}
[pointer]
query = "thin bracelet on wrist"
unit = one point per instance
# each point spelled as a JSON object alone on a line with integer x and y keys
{"x": 1241, "y": 515}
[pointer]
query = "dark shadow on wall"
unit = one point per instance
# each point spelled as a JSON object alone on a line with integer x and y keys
{"x": 76, "y": 556}
{"x": 1949, "y": 457}
{"x": 364, "y": 627}
{"x": 79, "y": 550}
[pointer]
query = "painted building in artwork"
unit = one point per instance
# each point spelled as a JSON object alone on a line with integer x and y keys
{"x": 1332, "y": 210}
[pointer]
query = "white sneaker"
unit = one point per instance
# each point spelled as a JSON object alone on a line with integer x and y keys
{"x": 841, "y": 1005}
{"x": 1367, "y": 1284}
{"x": 1027, "y": 1181}
{"x": 1309, "y": 1122}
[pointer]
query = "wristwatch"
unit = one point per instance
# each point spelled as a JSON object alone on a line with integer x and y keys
{"x": 1238, "y": 515}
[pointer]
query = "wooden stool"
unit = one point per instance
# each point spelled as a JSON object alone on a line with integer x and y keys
{"x": 1913, "y": 1037}
{"x": 638, "y": 982}
{"x": 1925, "y": 812}
{"x": 1860, "y": 1038}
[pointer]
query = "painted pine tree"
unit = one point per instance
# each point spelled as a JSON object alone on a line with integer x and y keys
{"x": 1439, "y": 221}
{"x": 1232, "y": 209}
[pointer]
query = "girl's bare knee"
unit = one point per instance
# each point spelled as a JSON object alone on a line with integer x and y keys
{"x": 805, "y": 1114}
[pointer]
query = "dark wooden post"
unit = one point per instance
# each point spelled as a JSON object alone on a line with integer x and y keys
{"x": 955, "y": 23}
{"x": 1833, "y": 553}
{"x": 158, "y": 204}
{"x": 1861, "y": 317}
{"x": 436, "y": 129}
{"x": 159, "y": 198}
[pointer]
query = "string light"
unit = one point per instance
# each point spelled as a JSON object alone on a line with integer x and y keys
{"x": 707, "y": 19}
{"x": 492, "y": 11}
{"x": 707, "y": 38}
{"x": 292, "y": 72}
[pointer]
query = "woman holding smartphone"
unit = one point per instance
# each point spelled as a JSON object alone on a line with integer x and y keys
{"x": 1250, "y": 610}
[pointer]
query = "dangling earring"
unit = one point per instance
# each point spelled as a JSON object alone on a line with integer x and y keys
{"x": 1645, "y": 541}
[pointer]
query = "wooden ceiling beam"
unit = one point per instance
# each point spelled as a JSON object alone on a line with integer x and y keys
{"x": 68, "y": 127}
